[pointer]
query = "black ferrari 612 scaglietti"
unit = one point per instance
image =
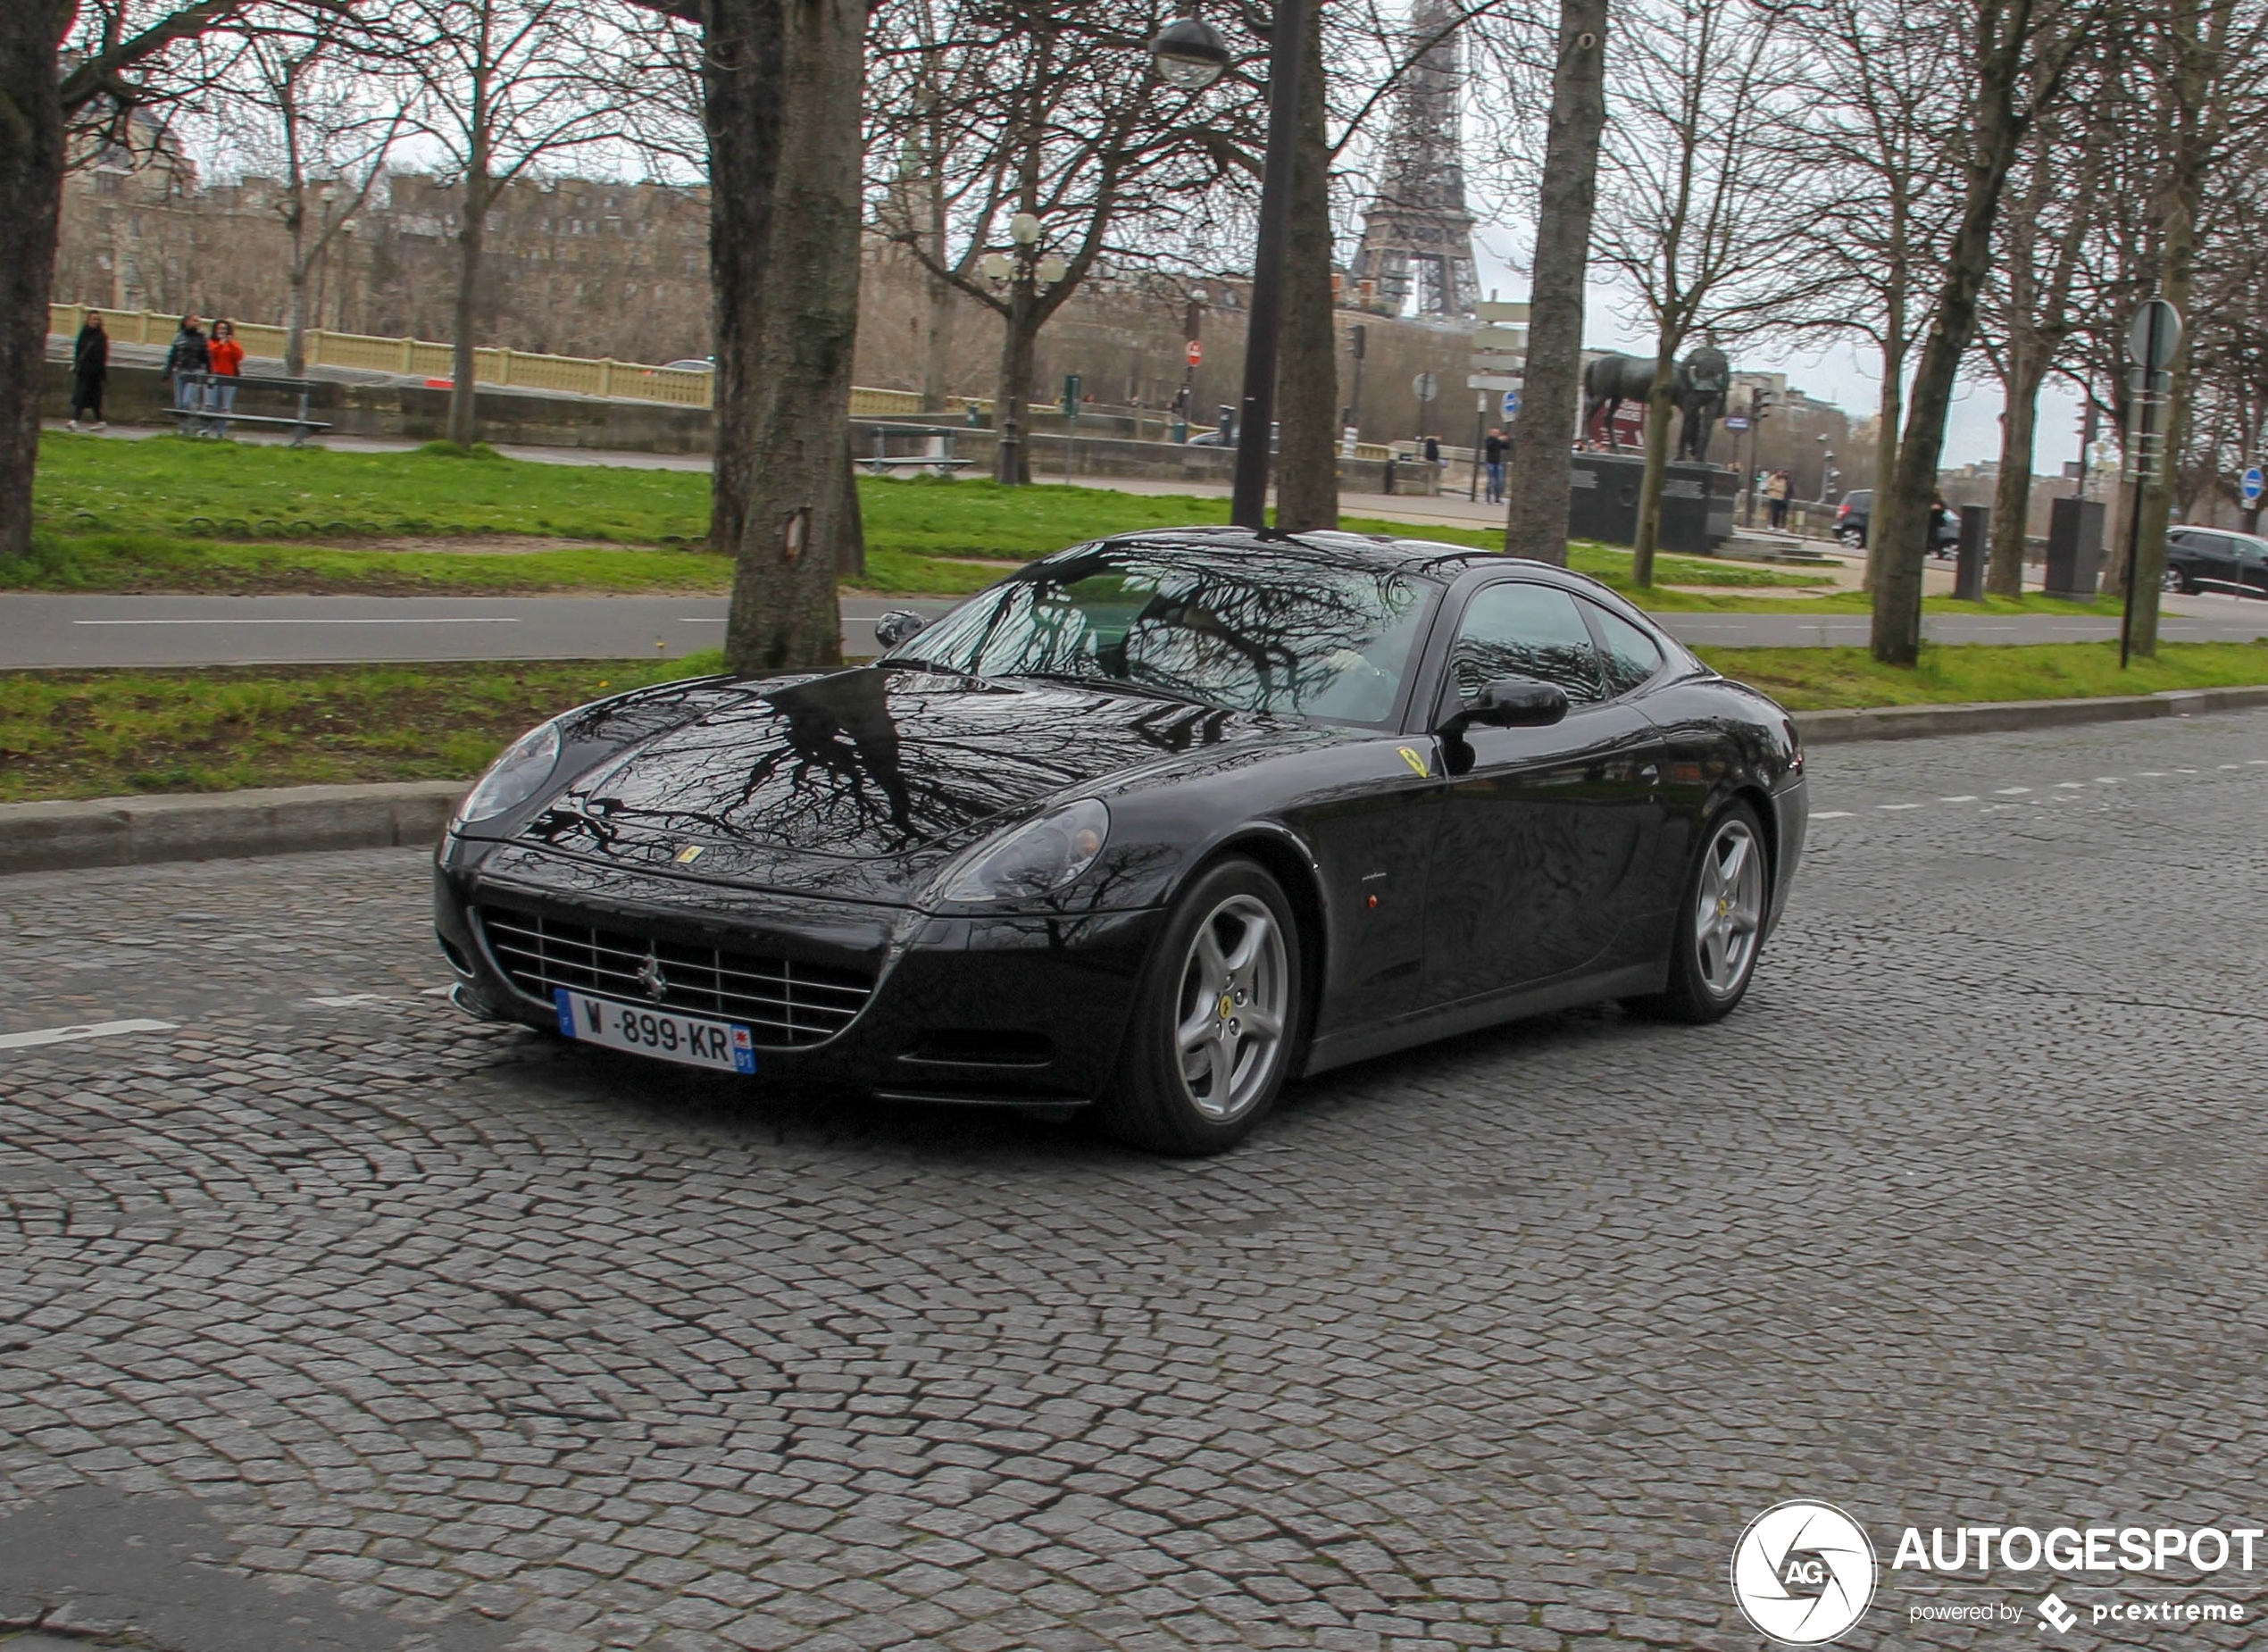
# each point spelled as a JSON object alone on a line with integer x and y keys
{"x": 1153, "y": 826}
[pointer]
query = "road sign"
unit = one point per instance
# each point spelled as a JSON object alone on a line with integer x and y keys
{"x": 1196, "y": 353}
{"x": 1494, "y": 311}
{"x": 1736, "y": 422}
{"x": 1072, "y": 386}
{"x": 2252, "y": 485}
{"x": 1512, "y": 404}
{"x": 1492, "y": 381}
{"x": 1425, "y": 387}
{"x": 2155, "y": 335}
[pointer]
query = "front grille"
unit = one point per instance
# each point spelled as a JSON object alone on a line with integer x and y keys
{"x": 783, "y": 1001}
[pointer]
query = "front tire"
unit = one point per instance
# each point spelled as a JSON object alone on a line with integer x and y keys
{"x": 1720, "y": 924}
{"x": 1218, "y": 1019}
{"x": 2175, "y": 581}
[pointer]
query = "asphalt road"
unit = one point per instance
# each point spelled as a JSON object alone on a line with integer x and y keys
{"x": 328, "y": 1319}
{"x": 41, "y": 631}
{"x": 44, "y": 631}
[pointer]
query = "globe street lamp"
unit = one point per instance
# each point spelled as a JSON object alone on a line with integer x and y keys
{"x": 1023, "y": 272}
{"x": 1189, "y": 54}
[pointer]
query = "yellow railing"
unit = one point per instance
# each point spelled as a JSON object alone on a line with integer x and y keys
{"x": 573, "y": 374}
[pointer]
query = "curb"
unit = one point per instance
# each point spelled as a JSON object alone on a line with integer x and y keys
{"x": 134, "y": 832}
{"x": 1912, "y": 723}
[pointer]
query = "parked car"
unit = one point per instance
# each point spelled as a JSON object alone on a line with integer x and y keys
{"x": 1224, "y": 438}
{"x": 1852, "y": 516}
{"x": 1152, "y": 826}
{"x": 2215, "y": 559}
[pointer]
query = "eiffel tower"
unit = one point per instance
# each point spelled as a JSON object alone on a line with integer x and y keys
{"x": 1417, "y": 237}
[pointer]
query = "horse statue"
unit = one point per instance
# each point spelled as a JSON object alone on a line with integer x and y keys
{"x": 1698, "y": 387}
{"x": 1701, "y": 380}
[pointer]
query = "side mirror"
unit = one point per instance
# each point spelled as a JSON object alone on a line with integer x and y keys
{"x": 898, "y": 624}
{"x": 1511, "y": 702}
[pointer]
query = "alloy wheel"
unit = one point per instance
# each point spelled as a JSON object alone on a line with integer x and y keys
{"x": 1234, "y": 1005}
{"x": 1728, "y": 909}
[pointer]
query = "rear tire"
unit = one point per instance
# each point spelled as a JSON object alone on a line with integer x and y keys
{"x": 1218, "y": 1020}
{"x": 1720, "y": 927}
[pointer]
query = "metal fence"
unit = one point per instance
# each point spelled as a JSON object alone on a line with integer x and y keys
{"x": 421, "y": 358}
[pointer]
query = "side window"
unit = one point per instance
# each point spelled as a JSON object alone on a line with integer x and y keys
{"x": 1630, "y": 656}
{"x": 1515, "y": 629}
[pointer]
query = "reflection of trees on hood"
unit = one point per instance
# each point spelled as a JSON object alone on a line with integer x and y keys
{"x": 876, "y": 762}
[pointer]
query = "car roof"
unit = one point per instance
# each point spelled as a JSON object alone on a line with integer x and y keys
{"x": 2226, "y": 533}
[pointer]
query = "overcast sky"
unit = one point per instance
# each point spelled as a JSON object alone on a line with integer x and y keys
{"x": 1848, "y": 376}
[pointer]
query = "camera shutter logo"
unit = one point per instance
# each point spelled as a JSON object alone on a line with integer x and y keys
{"x": 1803, "y": 1573}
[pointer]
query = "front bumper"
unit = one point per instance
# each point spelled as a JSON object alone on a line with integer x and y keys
{"x": 1013, "y": 1010}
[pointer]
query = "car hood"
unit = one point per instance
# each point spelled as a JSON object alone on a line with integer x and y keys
{"x": 861, "y": 782}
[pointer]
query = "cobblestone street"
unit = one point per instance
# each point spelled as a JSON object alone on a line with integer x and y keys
{"x": 330, "y": 1319}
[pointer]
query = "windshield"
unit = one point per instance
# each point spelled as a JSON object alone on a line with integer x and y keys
{"x": 1286, "y": 634}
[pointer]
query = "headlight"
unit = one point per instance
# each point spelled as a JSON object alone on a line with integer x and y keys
{"x": 515, "y": 777}
{"x": 1033, "y": 859}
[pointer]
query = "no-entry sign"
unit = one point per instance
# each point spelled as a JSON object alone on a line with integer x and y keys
{"x": 1196, "y": 353}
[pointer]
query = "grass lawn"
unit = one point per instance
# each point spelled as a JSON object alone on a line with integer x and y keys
{"x": 107, "y": 734}
{"x": 1820, "y": 678}
{"x": 169, "y": 514}
{"x": 98, "y": 734}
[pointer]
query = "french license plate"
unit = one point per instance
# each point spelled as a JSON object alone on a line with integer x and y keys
{"x": 660, "y": 1033}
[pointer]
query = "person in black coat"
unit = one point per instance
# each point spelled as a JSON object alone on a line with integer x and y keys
{"x": 191, "y": 352}
{"x": 89, "y": 370}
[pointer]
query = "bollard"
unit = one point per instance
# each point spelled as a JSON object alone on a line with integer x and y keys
{"x": 1969, "y": 570}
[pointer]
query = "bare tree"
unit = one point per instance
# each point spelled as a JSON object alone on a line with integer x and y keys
{"x": 2029, "y": 318}
{"x": 307, "y": 105}
{"x": 1536, "y": 509}
{"x": 1066, "y": 131}
{"x": 1885, "y": 138}
{"x": 1696, "y": 195}
{"x": 2022, "y": 50}
{"x": 502, "y": 85}
{"x": 93, "y": 63}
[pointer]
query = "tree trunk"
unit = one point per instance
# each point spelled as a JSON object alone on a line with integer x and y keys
{"x": 740, "y": 109}
{"x": 785, "y": 615}
{"x": 1010, "y": 413}
{"x": 295, "y": 291}
{"x": 1888, "y": 410}
{"x": 1535, "y": 511}
{"x": 31, "y": 193}
{"x": 938, "y": 344}
{"x": 1307, "y": 370}
{"x": 2198, "y": 35}
{"x": 2012, "y": 498}
{"x": 1901, "y": 514}
{"x": 464, "y": 427}
{"x": 1659, "y": 406}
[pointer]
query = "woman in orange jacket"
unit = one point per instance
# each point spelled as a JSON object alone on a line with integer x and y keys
{"x": 228, "y": 366}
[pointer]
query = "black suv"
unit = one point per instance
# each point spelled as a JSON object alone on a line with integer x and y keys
{"x": 2213, "y": 559}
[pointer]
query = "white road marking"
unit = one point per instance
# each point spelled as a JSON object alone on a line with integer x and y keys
{"x": 2153, "y": 774}
{"x": 348, "y": 1000}
{"x": 2012, "y": 791}
{"x": 2107, "y": 780}
{"x": 71, "y": 1035}
{"x": 1830, "y": 814}
{"x": 499, "y": 619}
{"x": 2232, "y": 765}
{"x": 2069, "y": 786}
{"x": 1963, "y": 797}
{"x": 697, "y": 619}
{"x": 2185, "y": 770}
{"x": 1901, "y": 805}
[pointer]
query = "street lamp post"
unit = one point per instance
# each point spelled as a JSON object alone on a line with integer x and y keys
{"x": 1024, "y": 272}
{"x": 1189, "y": 54}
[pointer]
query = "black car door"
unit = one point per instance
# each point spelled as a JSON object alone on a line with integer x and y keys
{"x": 1543, "y": 858}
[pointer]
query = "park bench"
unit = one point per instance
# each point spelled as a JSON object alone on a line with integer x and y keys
{"x": 934, "y": 458}
{"x": 189, "y": 419}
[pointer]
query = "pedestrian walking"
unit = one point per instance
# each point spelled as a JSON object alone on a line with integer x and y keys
{"x": 188, "y": 358}
{"x": 1776, "y": 492}
{"x": 1945, "y": 526}
{"x": 227, "y": 365}
{"x": 1433, "y": 450}
{"x": 89, "y": 370}
{"x": 1492, "y": 454}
